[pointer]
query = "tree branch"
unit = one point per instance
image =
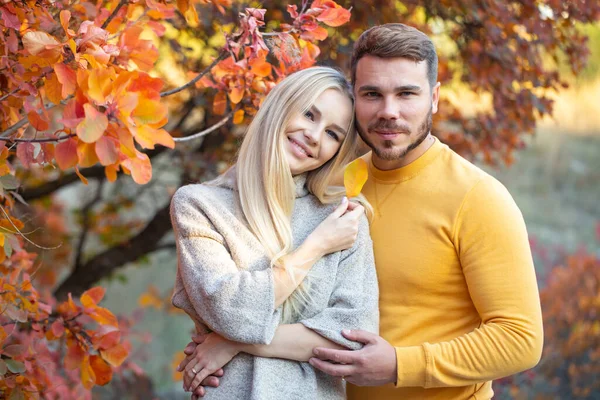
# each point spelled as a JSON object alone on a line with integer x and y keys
{"x": 114, "y": 13}
{"x": 93, "y": 172}
{"x": 46, "y": 140}
{"x": 206, "y": 70}
{"x": 9, "y": 131}
{"x": 105, "y": 263}
{"x": 207, "y": 130}
{"x": 85, "y": 224}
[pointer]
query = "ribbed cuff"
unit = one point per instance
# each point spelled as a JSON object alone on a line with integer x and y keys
{"x": 412, "y": 366}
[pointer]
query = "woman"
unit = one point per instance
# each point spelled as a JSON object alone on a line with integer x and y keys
{"x": 266, "y": 261}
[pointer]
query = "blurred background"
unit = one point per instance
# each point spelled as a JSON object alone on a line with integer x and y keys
{"x": 520, "y": 88}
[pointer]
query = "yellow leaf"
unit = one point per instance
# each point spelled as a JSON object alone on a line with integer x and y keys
{"x": 355, "y": 176}
{"x": 53, "y": 89}
{"x": 93, "y": 126}
{"x": 238, "y": 117}
{"x": 236, "y": 94}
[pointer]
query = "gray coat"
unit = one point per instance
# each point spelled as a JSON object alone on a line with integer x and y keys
{"x": 225, "y": 284}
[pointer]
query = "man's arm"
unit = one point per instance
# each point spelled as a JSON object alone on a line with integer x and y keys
{"x": 492, "y": 243}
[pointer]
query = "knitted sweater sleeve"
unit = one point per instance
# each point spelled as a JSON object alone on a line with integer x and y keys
{"x": 492, "y": 244}
{"x": 237, "y": 304}
{"x": 354, "y": 301}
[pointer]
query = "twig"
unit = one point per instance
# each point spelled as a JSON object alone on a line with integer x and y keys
{"x": 25, "y": 237}
{"x": 206, "y": 70}
{"x": 39, "y": 140}
{"x": 207, "y": 130}
{"x": 7, "y": 95}
{"x": 25, "y": 120}
{"x": 114, "y": 13}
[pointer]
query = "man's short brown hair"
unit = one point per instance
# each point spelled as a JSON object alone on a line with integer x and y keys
{"x": 396, "y": 41}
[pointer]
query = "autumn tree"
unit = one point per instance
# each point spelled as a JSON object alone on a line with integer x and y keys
{"x": 97, "y": 94}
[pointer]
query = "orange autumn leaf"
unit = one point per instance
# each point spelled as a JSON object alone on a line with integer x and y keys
{"x": 66, "y": 154}
{"x": 67, "y": 78}
{"x": 147, "y": 137}
{"x": 88, "y": 377}
{"x": 109, "y": 340}
{"x": 74, "y": 356}
{"x": 149, "y": 111}
{"x": 53, "y": 89}
{"x": 103, "y": 316}
{"x": 260, "y": 67}
{"x": 10, "y": 225}
{"x": 220, "y": 103}
{"x": 237, "y": 94}
{"x": 102, "y": 371}
{"x": 82, "y": 178}
{"x": 115, "y": 355}
{"x": 355, "y": 176}
{"x": 38, "y": 121}
{"x": 238, "y": 117}
{"x": 140, "y": 168}
{"x": 65, "y": 16}
{"x": 111, "y": 172}
{"x": 93, "y": 126}
{"x": 106, "y": 150}
{"x": 334, "y": 16}
{"x": 319, "y": 33}
{"x": 86, "y": 154}
{"x": 93, "y": 296}
{"x": 41, "y": 44}
{"x": 177, "y": 359}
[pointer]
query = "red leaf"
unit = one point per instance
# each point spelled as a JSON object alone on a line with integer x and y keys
{"x": 25, "y": 153}
{"x": 334, "y": 16}
{"x": 57, "y": 328}
{"x": 115, "y": 355}
{"x": 102, "y": 370}
{"x": 39, "y": 122}
{"x": 92, "y": 296}
{"x": 67, "y": 77}
{"x": 66, "y": 154}
{"x": 106, "y": 150}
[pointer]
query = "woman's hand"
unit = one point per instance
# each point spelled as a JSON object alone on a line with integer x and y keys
{"x": 338, "y": 231}
{"x": 207, "y": 359}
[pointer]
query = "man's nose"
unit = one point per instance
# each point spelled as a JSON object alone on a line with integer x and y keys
{"x": 389, "y": 110}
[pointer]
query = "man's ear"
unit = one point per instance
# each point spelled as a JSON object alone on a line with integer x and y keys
{"x": 435, "y": 97}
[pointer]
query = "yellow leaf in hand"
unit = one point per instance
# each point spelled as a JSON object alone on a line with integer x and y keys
{"x": 355, "y": 176}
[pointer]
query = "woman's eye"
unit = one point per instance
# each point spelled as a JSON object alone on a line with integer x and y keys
{"x": 371, "y": 94}
{"x": 334, "y": 135}
{"x": 309, "y": 114}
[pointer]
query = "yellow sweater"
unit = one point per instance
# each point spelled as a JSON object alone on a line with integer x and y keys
{"x": 458, "y": 293}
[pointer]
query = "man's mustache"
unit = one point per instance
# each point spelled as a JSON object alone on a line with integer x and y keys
{"x": 387, "y": 125}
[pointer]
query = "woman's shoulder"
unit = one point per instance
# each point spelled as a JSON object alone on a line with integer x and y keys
{"x": 200, "y": 197}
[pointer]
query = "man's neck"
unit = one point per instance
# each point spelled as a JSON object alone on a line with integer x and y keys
{"x": 387, "y": 165}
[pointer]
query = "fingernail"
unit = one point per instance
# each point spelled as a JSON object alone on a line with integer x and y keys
{"x": 345, "y": 199}
{"x": 310, "y": 361}
{"x": 316, "y": 352}
{"x": 346, "y": 331}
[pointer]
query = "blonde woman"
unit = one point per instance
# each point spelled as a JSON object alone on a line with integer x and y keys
{"x": 271, "y": 259}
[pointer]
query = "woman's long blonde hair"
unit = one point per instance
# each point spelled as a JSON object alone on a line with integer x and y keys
{"x": 265, "y": 185}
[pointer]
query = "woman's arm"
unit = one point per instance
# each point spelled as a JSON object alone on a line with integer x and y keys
{"x": 212, "y": 352}
{"x": 291, "y": 342}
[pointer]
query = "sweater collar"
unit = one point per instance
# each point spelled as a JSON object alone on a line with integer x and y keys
{"x": 408, "y": 171}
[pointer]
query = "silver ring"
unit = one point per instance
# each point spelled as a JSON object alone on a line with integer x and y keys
{"x": 343, "y": 378}
{"x": 194, "y": 371}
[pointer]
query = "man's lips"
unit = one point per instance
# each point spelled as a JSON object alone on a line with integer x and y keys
{"x": 388, "y": 134}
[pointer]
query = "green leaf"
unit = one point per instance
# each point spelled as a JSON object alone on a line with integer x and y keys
{"x": 7, "y": 248}
{"x": 16, "y": 367}
{"x": 3, "y": 368}
{"x": 9, "y": 182}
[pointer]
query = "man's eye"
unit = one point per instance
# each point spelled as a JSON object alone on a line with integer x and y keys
{"x": 309, "y": 114}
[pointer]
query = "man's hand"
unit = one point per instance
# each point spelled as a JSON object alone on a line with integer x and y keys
{"x": 373, "y": 365}
{"x": 212, "y": 380}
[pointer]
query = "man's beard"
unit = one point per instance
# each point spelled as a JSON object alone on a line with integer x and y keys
{"x": 387, "y": 152}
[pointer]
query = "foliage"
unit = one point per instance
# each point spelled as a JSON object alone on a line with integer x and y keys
{"x": 96, "y": 91}
{"x": 571, "y": 309}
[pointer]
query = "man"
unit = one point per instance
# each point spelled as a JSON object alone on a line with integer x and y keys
{"x": 459, "y": 302}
